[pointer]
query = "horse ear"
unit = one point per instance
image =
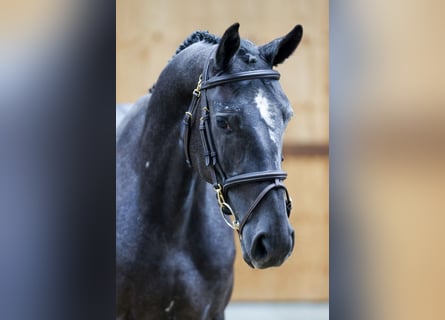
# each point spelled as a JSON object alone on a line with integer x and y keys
{"x": 280, "y": 49}
{"x": 228, "y": 46}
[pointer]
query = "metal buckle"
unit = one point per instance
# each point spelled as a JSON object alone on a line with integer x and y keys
{"x": 223, "y": 205}
{"x": 197, "y": 90}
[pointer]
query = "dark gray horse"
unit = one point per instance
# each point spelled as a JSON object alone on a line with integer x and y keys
{"x": 213, "y": 123}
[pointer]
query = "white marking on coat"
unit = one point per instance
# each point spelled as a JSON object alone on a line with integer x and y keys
{"x": 265, "y": 112}
{"x": 170, "y": 306}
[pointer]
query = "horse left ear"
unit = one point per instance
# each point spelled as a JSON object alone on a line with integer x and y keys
{"x": 278, "y": 50}
{"x": 228, "y": 46}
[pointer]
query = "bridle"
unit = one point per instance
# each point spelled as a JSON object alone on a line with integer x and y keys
{"x": 221, "y": 183}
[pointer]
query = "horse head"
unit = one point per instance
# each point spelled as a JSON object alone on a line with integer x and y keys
{"x": 244, "y": 116}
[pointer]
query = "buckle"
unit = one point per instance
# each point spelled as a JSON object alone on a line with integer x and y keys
{"x": 197, "y": 90}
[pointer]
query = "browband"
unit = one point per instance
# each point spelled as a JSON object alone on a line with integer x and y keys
{"x": 239, "y": 76}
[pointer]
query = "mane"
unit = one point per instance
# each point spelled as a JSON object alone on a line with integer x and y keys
{"x": 198, "y": 36}
{"x": 195, "y": 37}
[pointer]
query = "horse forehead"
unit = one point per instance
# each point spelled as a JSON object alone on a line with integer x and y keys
{"x": 248, "y": 45}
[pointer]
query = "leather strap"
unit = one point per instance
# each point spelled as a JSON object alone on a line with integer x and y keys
{"x": 239, "y": 76}
{"x": 250, "y": 177}
{"x": 254, "y": 177}
{"x": 249, "y": 213}
{"x": 187, "y": 124}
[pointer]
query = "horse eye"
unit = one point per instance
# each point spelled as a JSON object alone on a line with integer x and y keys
{"x": 282, "y": 158}
{"x": 222, "y": 123}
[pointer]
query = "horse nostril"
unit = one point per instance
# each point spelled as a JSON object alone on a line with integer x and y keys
{"x": 259, "y": 250}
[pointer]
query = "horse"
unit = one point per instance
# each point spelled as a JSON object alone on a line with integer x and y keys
{"x": 202, "y": 151}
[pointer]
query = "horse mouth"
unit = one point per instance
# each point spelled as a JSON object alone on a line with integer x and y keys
{"x": 265, "y": 264}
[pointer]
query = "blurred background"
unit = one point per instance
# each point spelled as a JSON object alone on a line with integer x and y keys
{"x": 147, "y": 35}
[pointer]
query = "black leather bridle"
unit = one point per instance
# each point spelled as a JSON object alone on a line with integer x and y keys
{"x": 220, "y": 182}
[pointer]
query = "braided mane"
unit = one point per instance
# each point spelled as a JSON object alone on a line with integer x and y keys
{"x": 195, "y": 37}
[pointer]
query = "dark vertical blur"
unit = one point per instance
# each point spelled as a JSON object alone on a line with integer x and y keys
{"x": 387, "y": 121}
{"x": 57, "y": 96}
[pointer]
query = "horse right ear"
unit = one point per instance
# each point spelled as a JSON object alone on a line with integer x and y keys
{"x": 228, "y": 46}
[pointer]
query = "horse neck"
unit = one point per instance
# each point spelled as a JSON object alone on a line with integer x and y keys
{"x": 167, "y": 184}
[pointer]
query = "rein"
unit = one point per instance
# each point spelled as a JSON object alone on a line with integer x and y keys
{"x": 221, "y": 183}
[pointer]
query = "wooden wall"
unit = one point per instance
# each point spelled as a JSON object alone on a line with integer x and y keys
{"x": 148, "y": 34}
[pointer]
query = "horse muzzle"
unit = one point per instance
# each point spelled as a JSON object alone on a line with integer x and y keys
{"x": 268, "y": 249}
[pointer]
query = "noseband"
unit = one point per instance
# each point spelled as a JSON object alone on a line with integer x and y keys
{"x": 221, "y": 183}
